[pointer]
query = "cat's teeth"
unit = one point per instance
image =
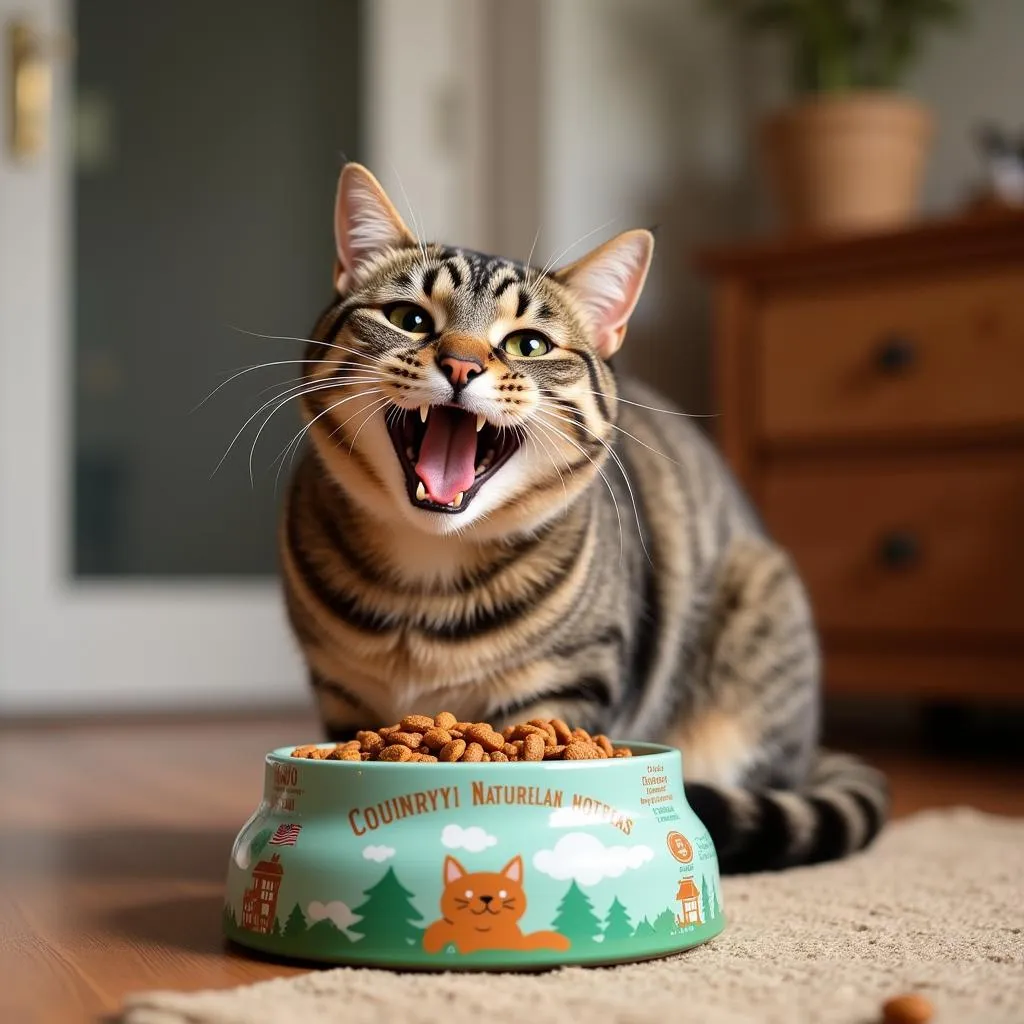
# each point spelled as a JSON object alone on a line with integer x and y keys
{"x": 457, "y": 503}
{"x": 480, "y": 421}
{"x": 481, "y": 469}
{"x": 421, "y": 492}
{"x": 424, "y": 412}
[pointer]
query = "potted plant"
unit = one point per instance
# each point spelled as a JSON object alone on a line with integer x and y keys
{"x": 850, "y": 151}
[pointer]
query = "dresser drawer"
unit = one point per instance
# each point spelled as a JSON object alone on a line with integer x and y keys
{"x": 909, "y": 356}
{"x": 905, "y": 544}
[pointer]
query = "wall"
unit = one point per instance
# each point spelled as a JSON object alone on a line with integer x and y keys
{"x": 646, "y": 119}
{"x": 967, "y": 78}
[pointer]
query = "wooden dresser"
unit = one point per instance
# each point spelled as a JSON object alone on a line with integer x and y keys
{"x": 870, "y": 394}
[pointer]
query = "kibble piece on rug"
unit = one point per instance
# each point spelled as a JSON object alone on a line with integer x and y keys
{"x": 935, "y": 907}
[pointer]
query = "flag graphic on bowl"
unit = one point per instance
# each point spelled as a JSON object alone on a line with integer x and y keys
{"x": 286, "y": 835}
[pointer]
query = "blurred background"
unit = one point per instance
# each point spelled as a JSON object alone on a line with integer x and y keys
{"x": 837, "y": 189}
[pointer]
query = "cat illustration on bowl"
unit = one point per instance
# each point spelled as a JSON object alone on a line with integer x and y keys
{"x": 481, "y": 910}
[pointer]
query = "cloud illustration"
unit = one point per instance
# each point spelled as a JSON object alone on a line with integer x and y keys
{"x": 337, "y": 911}
{"x": 570, "y": 817}
{"x": 473, "y": 838}
{"x": 585, "y": 859}
{"x": 379, "y": 853}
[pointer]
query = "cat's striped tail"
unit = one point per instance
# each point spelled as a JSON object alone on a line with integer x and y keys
{"x": 839, "y": 810}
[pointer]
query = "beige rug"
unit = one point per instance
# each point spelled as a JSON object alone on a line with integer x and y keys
{"x": 937, "y": 906}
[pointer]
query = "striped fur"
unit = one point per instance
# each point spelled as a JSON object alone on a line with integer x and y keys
{"x": 611, "y": 573}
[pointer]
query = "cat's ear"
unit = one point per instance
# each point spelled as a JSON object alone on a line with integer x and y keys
{"x": 366, "y": 223}
{"x": 608, "y": 282}
{"x": 453, "y": 870}
{"x": 513, "y": 870}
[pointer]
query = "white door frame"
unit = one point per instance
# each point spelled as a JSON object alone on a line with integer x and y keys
{"x": 71, "y": 646}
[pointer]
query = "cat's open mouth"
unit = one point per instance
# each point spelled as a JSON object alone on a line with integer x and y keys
{"x": 448, "y": 454}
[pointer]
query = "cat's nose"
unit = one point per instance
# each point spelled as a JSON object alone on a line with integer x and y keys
{"x": 486, "y": 899}
{"x": 460, "y": 371}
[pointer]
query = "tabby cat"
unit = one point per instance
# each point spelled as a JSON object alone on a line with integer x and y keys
{"x": 490, "y": 520}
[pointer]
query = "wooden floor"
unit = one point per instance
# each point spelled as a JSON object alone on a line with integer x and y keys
{"x": 115, "y": 842}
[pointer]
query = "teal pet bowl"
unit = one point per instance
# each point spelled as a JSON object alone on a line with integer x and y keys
{"x": 474, "y": 866}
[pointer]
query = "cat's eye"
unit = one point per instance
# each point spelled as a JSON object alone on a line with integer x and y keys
{"x": 502, "y": 895}
{"x": 410, "y": 318}
{"x": 526, "y": 344}
{"x": 469, "y": 894}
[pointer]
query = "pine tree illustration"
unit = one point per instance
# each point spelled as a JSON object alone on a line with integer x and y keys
{"x": 617, "y": 926}
{"x": 665, "y": 922}
{"x": 296, "y": 923}
{"x": 576, "y": 919}
{"x": 644, "y": 930}
{"x": 705, "y": 900}
{"x": 716, "y": 909}
{"x": 276, "y": 930}
{"x": 388, "y": 915}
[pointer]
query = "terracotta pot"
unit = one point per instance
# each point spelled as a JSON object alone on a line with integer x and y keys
{"x": 852, "y": 162}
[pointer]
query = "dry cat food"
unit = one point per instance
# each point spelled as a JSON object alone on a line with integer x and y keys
{"x": 419, "y": 738}
{"x": 908, "y": 1009}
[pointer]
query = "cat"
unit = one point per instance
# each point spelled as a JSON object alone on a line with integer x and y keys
{"x": 490, "y": 519}
{"x": 481, "y": 911}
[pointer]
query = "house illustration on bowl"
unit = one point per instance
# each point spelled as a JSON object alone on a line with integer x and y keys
{"x": 689, "y": 898}
{"x": 259, "y": 903}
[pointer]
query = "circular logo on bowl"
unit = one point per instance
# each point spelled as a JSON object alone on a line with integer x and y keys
{"x": 680, "y": 848}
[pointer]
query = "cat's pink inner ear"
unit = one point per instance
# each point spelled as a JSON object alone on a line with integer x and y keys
{"x": 514, "y": 869}
{"x": 453, "y": 870}
{"x": 608, "y": 282}
{"x": 366, "y": 222}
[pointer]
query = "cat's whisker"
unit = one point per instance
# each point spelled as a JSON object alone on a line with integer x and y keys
{"x": 622, "y": 430}
{"x": 262, "y": 366}
{"x": 307, "y": 341}
{"x": 622, "y": 469}
{"x": 615, "y": 505}
{"x": 302, "y": 431}
{"x": 295, "y": 444}
{"x": 293, "y": 392}
{"x": 297, "y": 439}
{"x": 547, "y": 268}
{"x": 536, "y": 239}
{"x": 652, "y": 408}
{"x": 340, "y": 381}
{"x": 550, "y": 455}
{"x": 530, "y": 437}
{"x": 416, "y": 225}
{"x": 380, "y": 404}
{"x": 529, "y": 260}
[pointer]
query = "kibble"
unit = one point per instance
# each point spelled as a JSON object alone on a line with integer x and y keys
{"x": 474, "y": 752}
{"x": 420, "y": 739}
{"x": 452, "y": 751}
{"x": 533, "y": 748}
{"x": 907, "y": 1009}
{"x": 412, "y": 740}
{"x": 417, "y": 723}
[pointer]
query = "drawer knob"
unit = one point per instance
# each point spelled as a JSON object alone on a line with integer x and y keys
{"x": 896, "y": 355}
{"x": 899, "y": 550}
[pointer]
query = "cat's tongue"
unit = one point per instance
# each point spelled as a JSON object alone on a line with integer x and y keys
{"x": 447, "y": 462}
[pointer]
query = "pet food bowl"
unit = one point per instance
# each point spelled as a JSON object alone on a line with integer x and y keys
{"x": 474, "y": 866}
